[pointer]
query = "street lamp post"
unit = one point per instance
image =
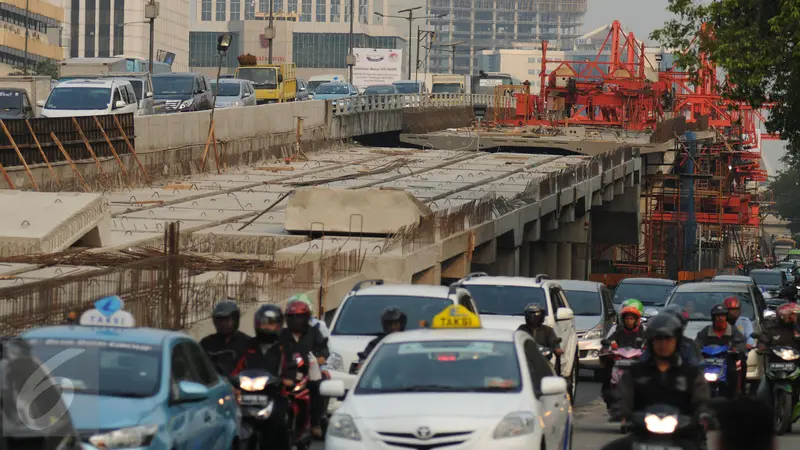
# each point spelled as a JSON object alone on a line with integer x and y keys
{"x": 150, "y": 13}
{"x": 410, "y": 18}
{"x": 27, "y": 24}
{"x": 453, "y": 46}
{"x": 351, "y": 59}
{"x": 269, "y": 32}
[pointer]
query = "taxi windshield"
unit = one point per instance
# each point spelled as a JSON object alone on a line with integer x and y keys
{"x": 106, "y": 368}
{"x": 361, "y": 314}
{"x": 442, "y": 366}
{"x": 505, "y": 300}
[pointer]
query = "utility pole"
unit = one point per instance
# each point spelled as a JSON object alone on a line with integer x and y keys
{"x": 27, "y": 24}
{"x": 420, "y": 35}
{"x": 410, "y": 18}
{"x": 150, "y": 13}
{"x": 269, "y": 32}
{"x": 351, "y": 59}
{"x": 453, "y": 46}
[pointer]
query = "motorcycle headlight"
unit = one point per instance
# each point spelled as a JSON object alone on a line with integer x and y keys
{"x": 594, "y": 333}
{"x": 711, "y": 377}
{"x": 342, "y": 426}
{"x": 335, "y": 362}
{"x": 515, "y": 424}
{"x": 658, "y": 425}
{"x": 786, "y": 354}
{"x": 253, "y": 384}
{"x": 140, "y": 436}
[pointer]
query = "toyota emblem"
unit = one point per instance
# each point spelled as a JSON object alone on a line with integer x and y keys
{"x": 423, "y": 433}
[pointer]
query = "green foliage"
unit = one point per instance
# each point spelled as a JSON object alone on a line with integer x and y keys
{"x": 786, "y": 188}
{"x": 755, "y": 42}
{"x": 46, "y": 68}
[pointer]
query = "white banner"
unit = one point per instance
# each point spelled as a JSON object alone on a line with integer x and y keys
{"x": 377, "y": 66}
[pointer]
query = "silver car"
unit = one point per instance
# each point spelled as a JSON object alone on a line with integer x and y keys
{"x": 594, "y": 316}
{"x": 234, "y": 93}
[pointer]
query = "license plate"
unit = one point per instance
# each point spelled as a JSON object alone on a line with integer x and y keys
{"x": 785, "y": 366}
{"x": 644, "y": 446}
{"x": 624, "y": 362}
{"x": 256, "y": 400}
{"x": 713, "y": 361}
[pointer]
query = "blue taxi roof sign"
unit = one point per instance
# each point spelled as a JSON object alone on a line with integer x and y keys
{"x": 455, "y": 317}
{"x": 108, "y": 312}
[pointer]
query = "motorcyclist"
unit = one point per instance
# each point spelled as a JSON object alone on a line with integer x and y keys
{"x": 541, "y": 333}
{"x": 228, "y": 344}
{"x": 781, "y": 332}
{"x": 629, "y": 335}
{"x": 316, "y": 323}
{"x": 392, "y": 320}
{"x": 308, "y": 340}
{"x": 720, "y": 332}
{"x": 629, "y": 302}
{"x": 664, "y": 379}
{"x": 745, "y": 327}
{"x": 269, "y": 352}
{"x": 687, "y": 348}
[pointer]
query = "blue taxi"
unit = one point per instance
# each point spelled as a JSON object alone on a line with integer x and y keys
{"x": 137, "y": 388}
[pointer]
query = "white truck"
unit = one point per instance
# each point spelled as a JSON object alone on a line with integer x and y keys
{"x": 451, "y": 84}
{"x": 35, "y": 87}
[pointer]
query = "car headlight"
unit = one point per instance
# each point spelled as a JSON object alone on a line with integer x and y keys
{"x": 650, "y": 312}
{"x": 658, "y": 425}
{"x": 186, "y": 104}
{"x": 253, "y": 384}
{"x": 786, "y": 354}
{"x": 335, "y": 362}
{"x": 140, "y": 436}
{"x": 594, "y": 333}
{"x": 515, "y": 424}
{"x": 342, "y": 426}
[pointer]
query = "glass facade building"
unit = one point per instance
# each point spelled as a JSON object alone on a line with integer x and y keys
{"x": 203, "y": 50}
{"x": 328, "y": 50}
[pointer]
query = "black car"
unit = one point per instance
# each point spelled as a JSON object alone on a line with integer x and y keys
{"x": 182, "y": 92}
{"x": 774, "y": 283}
{"x": 32, "y": 418}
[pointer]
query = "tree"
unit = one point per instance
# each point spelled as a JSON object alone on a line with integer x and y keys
{"x": 45, "y": 67}
{"x": 786, "y": 188}
{"x": 755, "y": 42}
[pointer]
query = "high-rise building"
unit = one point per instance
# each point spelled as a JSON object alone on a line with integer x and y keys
{"x": 105, "y": 28}
{"x": 488, "y": 25}
{"x": 43, "y": 44}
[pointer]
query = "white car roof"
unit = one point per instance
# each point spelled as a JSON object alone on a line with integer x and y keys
{"x": 409, "y": 290}
{"x": 505, "y": 281}
{"x": 466, "y": 334}
{"x": 108, "y": 83}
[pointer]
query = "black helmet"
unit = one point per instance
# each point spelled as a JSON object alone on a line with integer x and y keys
{"x": 268, "y": 313}
{"x": 663, "y": 325}
{"x": 534, "y": 314}
{"x": 227, "y": 308}
{"x": 679, "y": 313}
{"x": 393, "y": 315}
{"x": 719, "y": 310}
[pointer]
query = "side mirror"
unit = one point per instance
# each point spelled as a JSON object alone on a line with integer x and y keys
{"x": 564, "y": 314}
{"x": 148, "y": 95}
{"x": 770, "y": 313}
{"x": 120, "y": 104}
{"x": 611, "y": 313}
{"x": 280, "y": 78}
{"x": 40, "y": 103}
{"x": 246, "y": 95}
{"x": 189, "y": 391}
{"x": 605, "y": 343}
{"x": 553, "y": 386}
{"x": 332, "y": 388}
{"x": 302, "y": 89}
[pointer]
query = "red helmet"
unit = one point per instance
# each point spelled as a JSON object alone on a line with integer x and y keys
{"x": 298, "y": 308}
{"x": 732, "y": 303}
{"x": 786, "y": 310}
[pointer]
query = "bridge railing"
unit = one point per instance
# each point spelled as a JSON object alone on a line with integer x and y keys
{"x": 366, "y": 103}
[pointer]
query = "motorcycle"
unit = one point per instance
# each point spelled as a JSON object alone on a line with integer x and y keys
{"x": 258, "y": 392}
{"x": 355, "y": 367}
{"x": 783, "y": 372}
{"x": 715, "y": 369}
{"x": 662, "y": 427}
{"x": 623, "y": 358}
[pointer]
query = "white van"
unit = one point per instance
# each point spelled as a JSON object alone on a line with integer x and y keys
{"x": 86, "y": 97}
{"x": 316, "y": 80}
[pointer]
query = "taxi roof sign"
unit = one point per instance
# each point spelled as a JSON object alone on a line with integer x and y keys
{"x": 108, "y": 312}
{"x": 454, "y": 317}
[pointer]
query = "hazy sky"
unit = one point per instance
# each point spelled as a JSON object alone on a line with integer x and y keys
{"x": 639, "y": 16}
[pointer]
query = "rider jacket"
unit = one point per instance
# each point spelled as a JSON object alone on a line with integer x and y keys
{"x": 780, "y": 334}
{"x": 626, "y": 338}
{"x": 311, "y": 341}
{"x": 730, "y": 337}
{"x": 682, "y": 386}
{"x": 372, "y": 344}
{"x": 225, "y": 351}
{"x": 542, "y": 335}
{"x": 276, "y": 358}
{"x": 687, "y": 349}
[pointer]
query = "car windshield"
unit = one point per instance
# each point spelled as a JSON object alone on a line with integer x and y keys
{"x": 263, "y": 77}
{"x": 442, "y": 366}
{"x": 699, "y": 304}
{"x": 79, "y": 98}
{"x": 505, "y": 300}
{"x": 446, "y": 88}
{"x": 767, "y": 278}
{"x": 332, "y": 89}
{"x": 786, "y": 265}
{"x": 313, "y": 85}
{"x": 585, "y": 303}
{"x": 106, "y": 368}
{"x": 361, "y": 314}
{"x": 407, "y": 88}
{"x": 227, "y": 89}
{"x": 172, "y": 85}
{"x": 10, "y": 100}
{"x": 648, "y": 294}
{"x": 379, "y": 90}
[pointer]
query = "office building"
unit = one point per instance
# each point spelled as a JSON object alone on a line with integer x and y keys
{"x": 105, "y": 28}
{"x": 488, "y": 25}
{"x": 43, "y": 33}
{"x": 311, "y": 33}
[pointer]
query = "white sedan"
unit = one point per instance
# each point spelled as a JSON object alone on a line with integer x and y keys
{"x": 451, "y": 386}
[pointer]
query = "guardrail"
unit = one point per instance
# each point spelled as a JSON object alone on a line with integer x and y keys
{"x": 366, "y": 103}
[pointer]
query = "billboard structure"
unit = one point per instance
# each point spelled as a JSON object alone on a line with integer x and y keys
{"x": 377, "y": 66}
